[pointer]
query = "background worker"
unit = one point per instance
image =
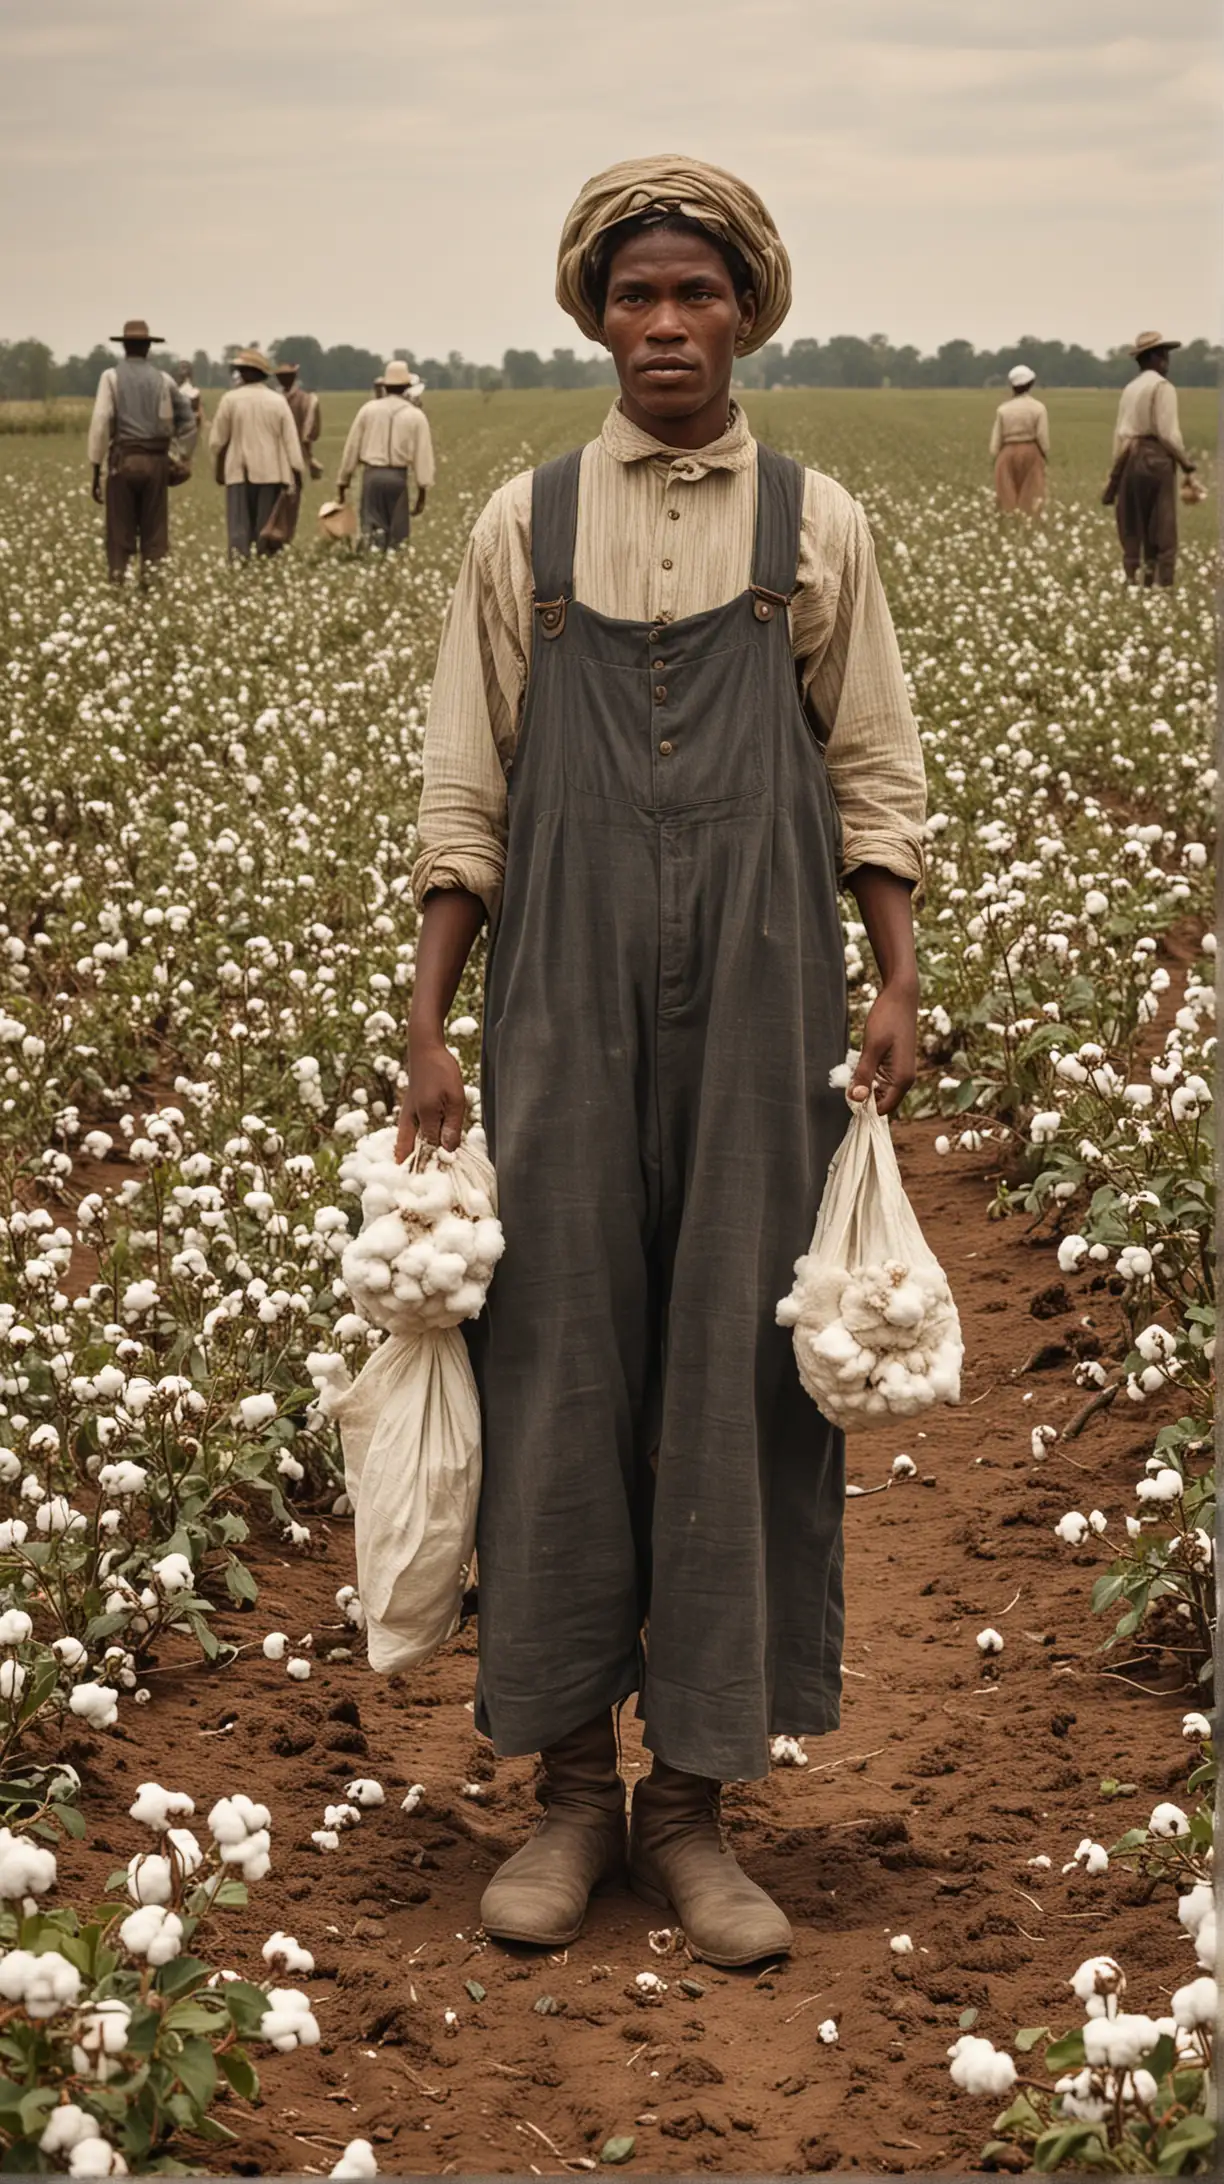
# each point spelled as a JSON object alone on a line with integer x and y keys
{"x": 1020, "y": 445}
{"x": 1148, "y": 453}
{"x": 307, "y": 415}
{"x": 390, "y": 437}
{"x": 256, "y": 453}
{"x": 189, "y": 390}
{"x": 137, "y": 411}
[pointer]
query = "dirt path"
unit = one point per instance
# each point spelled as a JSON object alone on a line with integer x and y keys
{"x": 918, "y": 1816}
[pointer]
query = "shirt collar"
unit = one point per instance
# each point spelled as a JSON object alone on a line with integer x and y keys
{"x": 625, "y": 442}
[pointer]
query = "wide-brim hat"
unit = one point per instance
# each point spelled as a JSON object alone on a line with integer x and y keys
{"x": 396, "y": 373}
{"x": 286, "y": 371}
{"x": 137, "y": 329}
{"x": 252, "y": 360}
{"x": 1143, "y": 342}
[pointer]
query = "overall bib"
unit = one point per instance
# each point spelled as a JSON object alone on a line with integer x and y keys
{"x": 662, "y": 1504}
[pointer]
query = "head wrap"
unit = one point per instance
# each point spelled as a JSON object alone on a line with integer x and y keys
{"x": 1020, "y": 377}
{"x": 673, "y": 183}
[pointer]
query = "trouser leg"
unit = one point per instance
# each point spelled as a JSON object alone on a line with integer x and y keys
{"x": 238, "y": 512}
{"x": 154, "y": 508}
{"x": 121, "y": 531}
{"x": 265, "y": 497}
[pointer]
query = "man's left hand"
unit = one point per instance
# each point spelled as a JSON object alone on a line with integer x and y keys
{"x": 889, "y": 1059}
{"x": 418, "y": 504}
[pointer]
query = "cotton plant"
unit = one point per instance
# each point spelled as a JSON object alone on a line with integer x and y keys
{"x": 1130, "y": 2090}
{"x": 118, "y": 2032}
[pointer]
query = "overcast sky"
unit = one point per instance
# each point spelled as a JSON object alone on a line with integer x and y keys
{"x": 390, "y": 172}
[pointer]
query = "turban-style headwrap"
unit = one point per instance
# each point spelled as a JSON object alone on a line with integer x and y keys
{"x": 673, "y": 183}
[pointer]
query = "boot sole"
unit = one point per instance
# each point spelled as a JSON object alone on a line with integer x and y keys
{"x": 648, "y": 1893}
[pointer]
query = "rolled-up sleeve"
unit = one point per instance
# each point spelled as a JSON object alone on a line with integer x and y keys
{"x": 102, "y": 420}
{"x": 854, "y": 686}
{"x": 473, "y": 715}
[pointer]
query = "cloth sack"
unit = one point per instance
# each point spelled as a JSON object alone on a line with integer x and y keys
{"x": 338, "y": 520}
{"x": 282, "y": 522}
{"x": 410, "y": 1432}
{"x": 410, "y": 1422}
{"x": 876, "y": 1332}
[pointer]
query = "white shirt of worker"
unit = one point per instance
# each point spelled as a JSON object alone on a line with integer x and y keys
{"x": 389, "y": 433}
{"x": 1148, "y": 410}
{"x": 254, "y": 425}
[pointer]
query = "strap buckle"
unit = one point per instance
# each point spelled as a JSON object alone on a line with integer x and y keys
{"x": 551, "y": 614}
{"x": 765, "y": 602}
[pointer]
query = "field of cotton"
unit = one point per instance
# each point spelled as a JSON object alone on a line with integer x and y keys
{"x": 224, "y": 1841}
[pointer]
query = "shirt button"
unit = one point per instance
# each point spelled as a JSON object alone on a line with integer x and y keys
{"x": 665, "y": 750}
{"x": 658, "y": 663}
{"x": 667, "y": 564}
{"x": 674, "y": 513}
{"x": 660, "y": 692}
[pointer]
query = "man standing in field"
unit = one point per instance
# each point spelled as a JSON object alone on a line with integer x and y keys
{"x": 390, "y": 436}
{"x": 307, "y": 415}
{"x": 1148, "y": 453}
{"x": 137, "y": 411}
{"x": 190, "y": 393}
{"x": 257, "y": 455}
{"x": 669, "y": 718}
{"x": 1020, "y": 445}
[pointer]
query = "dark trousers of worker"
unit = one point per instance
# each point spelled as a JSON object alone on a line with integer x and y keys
{"x": 661, "y": 1507}
{"x": 1147, "y": 513}
{"x": 384, "y": 506}
{"x": 137, "y": 505}
{"x": 247, "y": 509}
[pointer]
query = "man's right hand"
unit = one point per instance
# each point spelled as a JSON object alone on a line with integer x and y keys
{"x": 434, "y": 1103}
{"x": 341, "y": 490}
{"x": 96, "y": 487}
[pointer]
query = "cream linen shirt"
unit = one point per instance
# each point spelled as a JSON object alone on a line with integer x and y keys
{"x": 389, "y": 433}
{"x": 254, "y": 424}
{"x": 664, "y": 533}
{"x": 1148, "y": 409}
{"x": 1021, "y": 418}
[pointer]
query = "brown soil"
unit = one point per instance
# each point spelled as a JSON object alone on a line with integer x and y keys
{"x": 918, "y": 1816}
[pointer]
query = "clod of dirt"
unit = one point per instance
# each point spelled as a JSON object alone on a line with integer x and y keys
{"x": 345, "y": 1710}
{"x": 1051, "y": 1302}
{"x": 697, "y": 2070}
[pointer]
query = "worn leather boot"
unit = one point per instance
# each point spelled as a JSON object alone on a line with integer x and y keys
{"x": 540, "y": 1894}
{"x": 679, "y": 1857}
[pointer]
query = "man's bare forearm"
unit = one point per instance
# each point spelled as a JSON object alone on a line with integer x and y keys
{"x": 450, "y": 921}
{"x": 886, "y": 904}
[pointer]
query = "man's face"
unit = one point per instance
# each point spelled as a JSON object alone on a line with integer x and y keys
{"x": 672, "y": 320}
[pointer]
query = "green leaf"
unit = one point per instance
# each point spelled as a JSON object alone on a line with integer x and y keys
{"x": 967, "y": 2018}
{"x": 71, "y": 1821}
{"x": 246, "y": 2003}
{"x": 616, "y": 2150}
{"x": 1066, "y": 2054}
{"x": 1055, "y": 2147}
{"x": 196, "y": 2071}
{"x": 239, "y": 1583}
{"x": 193, "y": 2016}
{"x": 241, "y": 2073}
{"x": 474, "y": 1988}
{"x": 1193, "y": 2135}
{"x": 1028, "y": 2036}
{"x": 180, "y": 1974}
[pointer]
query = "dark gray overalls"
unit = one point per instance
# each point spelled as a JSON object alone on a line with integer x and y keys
{"x": 664, "y": 1000}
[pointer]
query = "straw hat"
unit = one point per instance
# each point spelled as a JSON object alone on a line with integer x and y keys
{"x": 1144, "y": 342}
{"x": 338, "y": 520}
{"x": 1020, "y": 377}
{"x": 136, "y": 329}
{"x": 396, "y": 373}
{"x": 285, "y": 370}
{"x": 253, "y": 360}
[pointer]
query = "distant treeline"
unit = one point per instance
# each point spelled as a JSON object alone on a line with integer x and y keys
{"x": 29, "y": 371}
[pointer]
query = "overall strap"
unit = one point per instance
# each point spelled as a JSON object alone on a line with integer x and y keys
{"x": 775, "y": 553}
{"x": 554, "y": 527}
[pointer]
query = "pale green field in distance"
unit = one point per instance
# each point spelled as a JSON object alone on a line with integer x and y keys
{"x": 899, "y": 438}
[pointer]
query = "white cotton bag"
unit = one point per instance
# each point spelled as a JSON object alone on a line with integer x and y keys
{"x": 876, "y": 1331}
{"x": 410, "y": 1422}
